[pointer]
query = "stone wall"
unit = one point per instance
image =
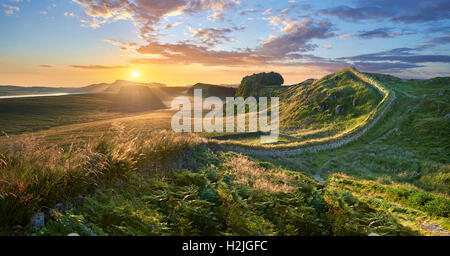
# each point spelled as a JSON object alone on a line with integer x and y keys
{"x": 379, "y": 112}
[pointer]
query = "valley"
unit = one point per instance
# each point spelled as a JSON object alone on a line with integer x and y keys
{"x": 378, "y": 165}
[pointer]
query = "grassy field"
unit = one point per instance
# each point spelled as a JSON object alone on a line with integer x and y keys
{"x": 168, "y": 184}
{"x": 410, "y": 145}
{"x": 93, "y": 171}
{"x": 82, "y": 114}
{"x": 6, "y": 90}
{"x": 325, "y": 110}
{"x": 40, "y": 113}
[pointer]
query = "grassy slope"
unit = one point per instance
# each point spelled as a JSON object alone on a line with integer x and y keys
{"x": 41, "y": 113}
{"x": 80, "y": 133}
{"x": 319, "y": 100}
{"x": 169, "y": 184}
{"x": 410, "y": 145}
{"x": 212, "y": 195}
{"x": 308, "y": 110}
{"x": 33, "y": 114}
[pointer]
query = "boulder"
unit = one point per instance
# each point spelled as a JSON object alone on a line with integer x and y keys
{"x": 37, "y": 221}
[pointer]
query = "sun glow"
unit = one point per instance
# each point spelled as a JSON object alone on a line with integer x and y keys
{"x": 135, "y": 74}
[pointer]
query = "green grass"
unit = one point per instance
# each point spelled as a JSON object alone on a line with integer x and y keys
{"x": 169, "y": 184}
{"x": 320, "y": 99}
{"x": 409, "y": 145}
{"x": 34, "y": 177}
{"x": 394, "y": 179}
{"x": 221, "y": 194}
{"x": 411, "y": 207}
{"x": 325, "y": 110}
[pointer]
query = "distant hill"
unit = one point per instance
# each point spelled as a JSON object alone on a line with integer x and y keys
{"x": 117, "y": 85}
{"x": 212, "y": 90}
{"x": 10, "y": 90}
{"x": 135, "y": 98}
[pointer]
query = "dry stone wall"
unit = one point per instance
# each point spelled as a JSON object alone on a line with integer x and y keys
{"x": 379, "y": 112}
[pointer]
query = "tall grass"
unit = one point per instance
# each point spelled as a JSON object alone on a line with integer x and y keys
{"x": 249, "y": 173}
{"x": 34, "y": 177}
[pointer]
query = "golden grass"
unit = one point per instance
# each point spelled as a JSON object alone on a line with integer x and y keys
{"x": 84, "y": 132}
{"x": 248, "y": 173}
{"x": 36, "y": 176}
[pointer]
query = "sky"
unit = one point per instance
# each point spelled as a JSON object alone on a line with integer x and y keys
{"x": 180, "y": 42}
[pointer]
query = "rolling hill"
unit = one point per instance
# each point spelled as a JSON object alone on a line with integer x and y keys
{"x": 10, "y": 90}
{"x": 342, "y": 104}
{"x": 212, "y": 90}
{"x": 135, "y": 98}
{"x": 128, "y": 176}
{"x": 116, "y": 86}
{"x": 340, "y": 96}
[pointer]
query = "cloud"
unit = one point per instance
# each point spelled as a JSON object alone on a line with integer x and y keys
{"x": 188, "y": 53}
{"x": 213, "y": 36}
{"x": 400, "y": 11}
{"x": 290, "y": 44}
{"x": 382, "y": 33}
{"x": 248, "y": 11}
{"x": 440, "y": 40}
{"x": 268, "y": 11}
{"x": 97, "y": 67}
{"x": 297, "y": 36}
{"x": 406, "y": 55}
{"x": 345, "y": 36}
{"x": 398, "y": 58}
{"x": 384, "y": 66}
{"x": 45, "y": 66}
{"x": 10, "y": 9}
{"x": 283, "y": 49}
{"x": 71, "y": 14}
{"x": 124, "y": 46}
{"x": 378, "y": 33}
{"x": 167, "y": 26}
{"x": 147, "y": 14}
{"x": 355, "y": 14}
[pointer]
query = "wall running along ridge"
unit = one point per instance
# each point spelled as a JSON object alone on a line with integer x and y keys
{"x": 377, "y": 114}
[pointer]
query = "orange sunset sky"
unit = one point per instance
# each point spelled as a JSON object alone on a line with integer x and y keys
{"x": 180, "y": 42}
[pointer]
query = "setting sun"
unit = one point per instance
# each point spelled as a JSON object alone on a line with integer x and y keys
{"x": 135, "y": 74}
